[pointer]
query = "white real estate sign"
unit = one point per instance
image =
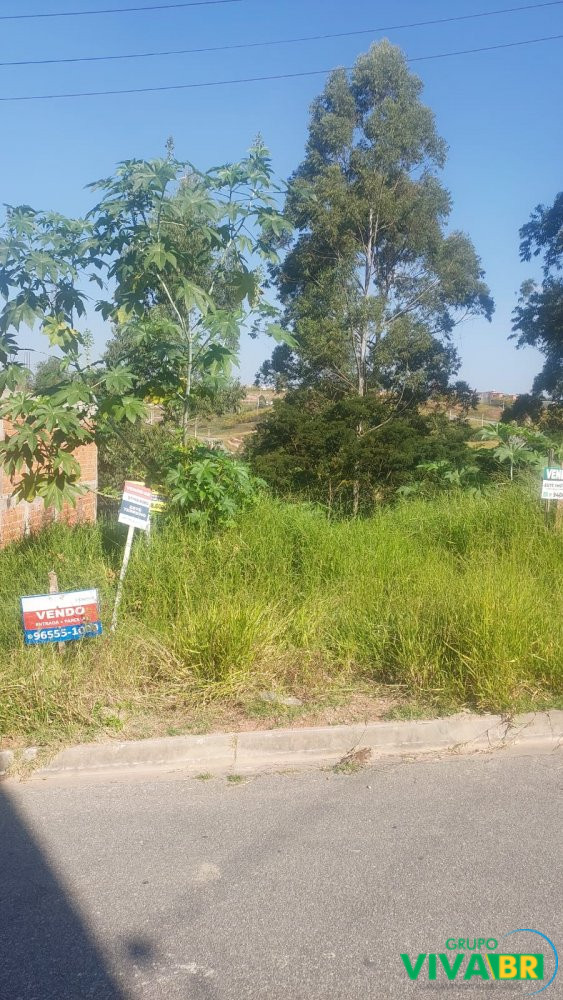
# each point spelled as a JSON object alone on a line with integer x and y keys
{"x": 552, "y": 486}
{"x": 135, "y": 511}
{"x": 135, "y": 506}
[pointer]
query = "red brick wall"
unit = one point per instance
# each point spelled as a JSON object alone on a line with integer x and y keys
{"x": 20, "y": 519}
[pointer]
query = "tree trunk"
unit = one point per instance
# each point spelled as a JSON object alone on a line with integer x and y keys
{"x": 362, "y": 352}
{"x": 356, "y": 492}
{"x": 187, "y": 393}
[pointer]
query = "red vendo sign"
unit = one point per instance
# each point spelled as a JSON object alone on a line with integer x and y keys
{"x": 76, "y": 615}
{"x": 60, "y": 617}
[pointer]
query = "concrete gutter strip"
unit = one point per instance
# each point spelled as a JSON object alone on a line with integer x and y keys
{"x": 196, "y": 752}
{"x": 252, "y": 752}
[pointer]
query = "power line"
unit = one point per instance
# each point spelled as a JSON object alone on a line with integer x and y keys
{"x": 260, "y": 79}
{"x": 279, "y": 41}
{"x": 486, "y": 48}
{"x": 113, "y": 10}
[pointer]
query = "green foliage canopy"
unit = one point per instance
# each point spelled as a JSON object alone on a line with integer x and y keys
{"x": 179, "y": 258}
{"x": 538, "y": 317}
{"x": 308, "y": 447}
{"x": 374, "y": 283}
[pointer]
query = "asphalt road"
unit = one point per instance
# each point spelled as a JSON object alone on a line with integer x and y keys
{"x": 294, "y": 886}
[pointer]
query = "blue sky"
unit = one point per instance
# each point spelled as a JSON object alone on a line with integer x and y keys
{"x": 499, "y": 112}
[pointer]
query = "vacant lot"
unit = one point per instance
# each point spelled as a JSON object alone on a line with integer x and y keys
{"x": 430, "y": 605}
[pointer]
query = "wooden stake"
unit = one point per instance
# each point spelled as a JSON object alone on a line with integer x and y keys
{"x": 54, "y": 589}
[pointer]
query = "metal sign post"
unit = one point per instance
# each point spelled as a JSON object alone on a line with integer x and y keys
{"x": 135, "y": 511}
{"x": 124, "y": 565}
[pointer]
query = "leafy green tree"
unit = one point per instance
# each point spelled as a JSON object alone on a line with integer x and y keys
{"x": 50, "y": 374}
{"x": 517, "y": 447}
{"x": 530, "y": 410}
{"x": 145, "y": 457}
{"x": 538, "y": 317}
{"x": 55, "y": 371}
{"x": 182, "y": 254}
{"x": 44, "y": 261}
{"x": 284, "y": 370}
{"x": 516, "y": 453}
{"x": 551, "y": 421}
{"x": 374, "y": 284}
{"x": 185, "y": 254}
{"x": 156, "y": 381}
{"x": 308, "y": 447}
{"x": 525, "y": 409}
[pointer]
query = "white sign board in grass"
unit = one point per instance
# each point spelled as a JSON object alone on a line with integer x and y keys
{"x": 552, "y": 486}
{"x": 136, "y": 506}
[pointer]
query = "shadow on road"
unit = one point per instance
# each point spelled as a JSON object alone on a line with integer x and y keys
{"x": 46, "y": 952}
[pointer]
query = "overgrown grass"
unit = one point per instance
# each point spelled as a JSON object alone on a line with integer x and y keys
{"x": 456, "y": 601}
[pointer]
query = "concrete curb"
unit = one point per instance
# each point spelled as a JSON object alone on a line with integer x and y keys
{"x": 270, "y": 750}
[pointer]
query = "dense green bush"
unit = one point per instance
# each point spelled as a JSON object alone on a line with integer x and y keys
{"x": 208, "y": 486}
{"x": 309, "y": 446}
{"x": 203, "y": 485}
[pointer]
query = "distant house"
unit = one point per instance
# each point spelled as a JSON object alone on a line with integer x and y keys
{"x": 497, "y": 397}
{"x": 258, "y": 398}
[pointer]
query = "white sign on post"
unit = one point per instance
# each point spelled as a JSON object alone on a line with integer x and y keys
{"x": 136, "y": 506}
{"x": 552, "y": 486}
{"x": 135, "y": 511}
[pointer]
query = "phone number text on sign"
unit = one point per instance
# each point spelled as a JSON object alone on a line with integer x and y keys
{"x": 61, "y": 617}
